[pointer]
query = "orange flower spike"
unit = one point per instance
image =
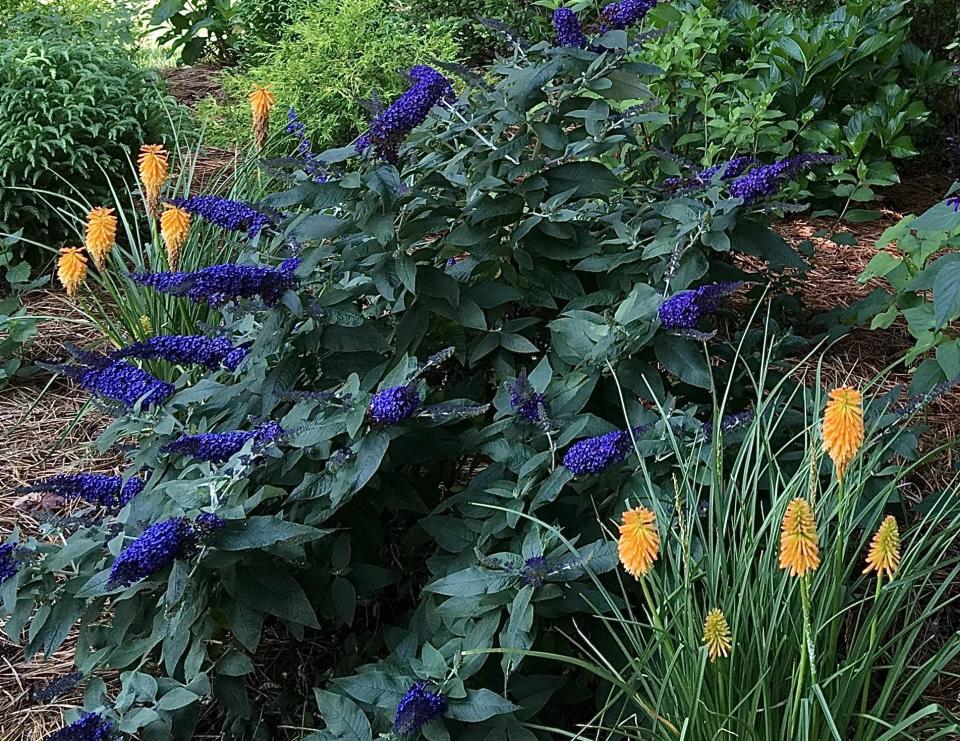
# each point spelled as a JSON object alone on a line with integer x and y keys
{"x": 101, "y": 234}
{"x": 843, "y": 427}
{"x": 174, "y": 228}
{"x": 639, "y": 542}
{"x": 154, "y": 170}
{"x": 72, "y": 269}
{"x": 261, "y": 101}
{"x": 884, "y": 552}
{"x": 799, "y": 543}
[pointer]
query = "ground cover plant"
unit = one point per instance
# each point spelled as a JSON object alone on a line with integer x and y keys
{"x": 434, "y": 367}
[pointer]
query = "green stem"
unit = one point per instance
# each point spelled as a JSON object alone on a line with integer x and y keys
{"x": 655, "y": 618}
{"x": 864, "y": 697}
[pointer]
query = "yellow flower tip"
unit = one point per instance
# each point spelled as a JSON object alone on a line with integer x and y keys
{"x": 639, "y": 541}
{"x": 799, "y": 544}
{"x": 884, "y": 554}
{"x": 71, "y": 269}
{"x": 146, "y": 326}
{"x": 101, "y": 234}
{"x": 154, "y": 170}
{"x": 261, "y": 101}
{"x": 843, "y": 426}
{"x": 716, "y": 635}
{"x": 174, "y": 227}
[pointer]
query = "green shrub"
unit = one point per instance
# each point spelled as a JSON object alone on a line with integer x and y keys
{"x": 339, "y": 53}
{"x": 523, "y": 18}
{"x": 261, "y": 24}
{"x": 70, "y": 110}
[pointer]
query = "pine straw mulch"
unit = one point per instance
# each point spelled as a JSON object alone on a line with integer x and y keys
{"x": 190, "y": 85}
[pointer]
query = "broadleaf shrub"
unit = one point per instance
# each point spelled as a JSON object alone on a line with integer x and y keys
{"x": 70, "y": 111}
{"x": 509, "y": 321}
{"x": 333, "y": 57}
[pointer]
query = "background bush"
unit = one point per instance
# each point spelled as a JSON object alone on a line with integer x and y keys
{"x": 69, "y": 109}
{"x": 337, "y": 54}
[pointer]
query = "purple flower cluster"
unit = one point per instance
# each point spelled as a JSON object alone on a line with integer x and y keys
{"x": 313, "y": 166}
{"x": 210, "y": 352}
{"x": 625, "y": 13}
{"x": 218, "y": 284}
{"x": 96, "y": 488}
{"x": 418, "y": 707}
{"x": 567, "y": 28}
{"x": 232, "y": 215}
{"x": 766, "y": 180}
{"x": 56, "y": 687}
{"x": 392, "y": 126}
{"x": 525, "y": 401}
{"x": 155, "y": 549}
{"x": 684, "y": 310}
{"x": 217, "y": 447}
{"x": 728, "y": 171}
{"x": 90, "y": 727}
{"x": 594, "y": 454}
{"x": 728, "y": 422}
{"x": 955, "y": 202}
{"x": 8, "y": 564}
{"x": 394, "y": 404}
{"x": 207, "y": 522}
{"x": 535, "y": 571}
{"x": 118, "y": 381}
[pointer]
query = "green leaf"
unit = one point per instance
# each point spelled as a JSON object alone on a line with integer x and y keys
{"x": 261, "y": 532}
{"x": 586, "y": 179}
{"x": 478, "y": 706}
{"x": 343, "y": 717}
{"x": 469, "y": 582}
{"x": 946, "y": 294}
{"x": 684, "y": 358}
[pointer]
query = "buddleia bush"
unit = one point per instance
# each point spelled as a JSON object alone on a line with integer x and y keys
{"x": 474, "y": 315}
{"x": 70, "y": 110}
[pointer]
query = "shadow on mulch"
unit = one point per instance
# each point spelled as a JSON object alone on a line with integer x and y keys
{"x": 190, "y": 85}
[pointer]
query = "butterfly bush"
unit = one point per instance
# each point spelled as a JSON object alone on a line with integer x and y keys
{"x": 95, "y": 488}
{"x": 767, "y": 180}
{"x": 625, "y": 14}
{"x": 683, "y": 311}
{"x": 9, "y": 565}
{"x": 219, "y": 284}
{"x": 159, "y": 546}
{"x": 119, "y": 381}
{"x": 395, "y": 404}
{"x": 89, "y": 727}
{"x": 567, "y": 29}
{"x": 232, "y": 215}
{"x": 217, "y": 447}
{"x": 526, "y": 402}
{"x": 727, "y": 171}
{"x": 210, "y": 352}
{"x": 313, "y": 166}
{"x": 418, "y": 707}
{"x": 596, "y": 454}
{"x": 389, "y": 129}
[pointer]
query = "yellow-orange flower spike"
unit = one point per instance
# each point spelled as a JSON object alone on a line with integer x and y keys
{"x": 716, "y": 635}
{"x": 799, "y": 544}
{"x": 101, "y": 234}
{"x": 146, "y": 326}
{"x": 261, "y": 101}
{"x": 639, "y": 541}
{"x": 843, "y": 426}
{"x": 154, "y": 170}
{"x": 72, "y": 269}
{"x": 174, "y": 226}
{"x": 884, "y": 552}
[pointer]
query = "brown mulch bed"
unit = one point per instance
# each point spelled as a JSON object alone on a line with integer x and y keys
{"x": 190, "y": 85}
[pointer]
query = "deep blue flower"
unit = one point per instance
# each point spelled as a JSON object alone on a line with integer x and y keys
{"x": 594, "y": 454}
{"x": 155, "y": 549}
{"x": 394, "y": 404}
{"x": 727, "y": 170}
{"x": 567, "y": 28}
{"x": 96, "y": 488}
{"x": 684, "y": 310}
{"x": 56, "y": 687}
{"x": 217, "y": 447}
{"x": 392, "y": 126}
{"x": 208, "y": 522}
{"x": 418, "y": 707}
{"x": 955, "y": 202}
{"x": 8, "y": 564}
{"x": 219, "y": 284}
{"x": 313, "y": 166}
{"x": 728, "y": 422}
{"x": 90, "y": 727}
{"x": 225, "y": 213}
{"x": 766, "y": 180}
{"x": 117, "y": 381}
{"x": 535, "y": 571}
{"x": 625, "y": 13}
{"x": 210, "y": 352}
{"x": 525, "y": 401}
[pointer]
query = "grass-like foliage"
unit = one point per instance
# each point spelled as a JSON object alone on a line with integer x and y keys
{"x": 834, "y": 654}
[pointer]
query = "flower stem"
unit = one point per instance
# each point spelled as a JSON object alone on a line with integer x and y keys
{"x": 864, "y": 697}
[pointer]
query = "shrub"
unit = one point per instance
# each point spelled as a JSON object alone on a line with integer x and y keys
{"x": 261, "y": 24}
{"x": 337, "y": 54}
{"x": 17, "y": 328}
{"x": 70, "y": 110}
{"x": 472, "y": 334}
{"x": 477, "y": 41}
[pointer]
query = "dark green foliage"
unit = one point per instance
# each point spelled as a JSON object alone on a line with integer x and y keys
{"x": 17, "y": 327}
{"x": 260, "y": 24}
{"x": 70, "y": 109}
{"x": 524, "y": 17}
{"x": 196, "y": 28}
